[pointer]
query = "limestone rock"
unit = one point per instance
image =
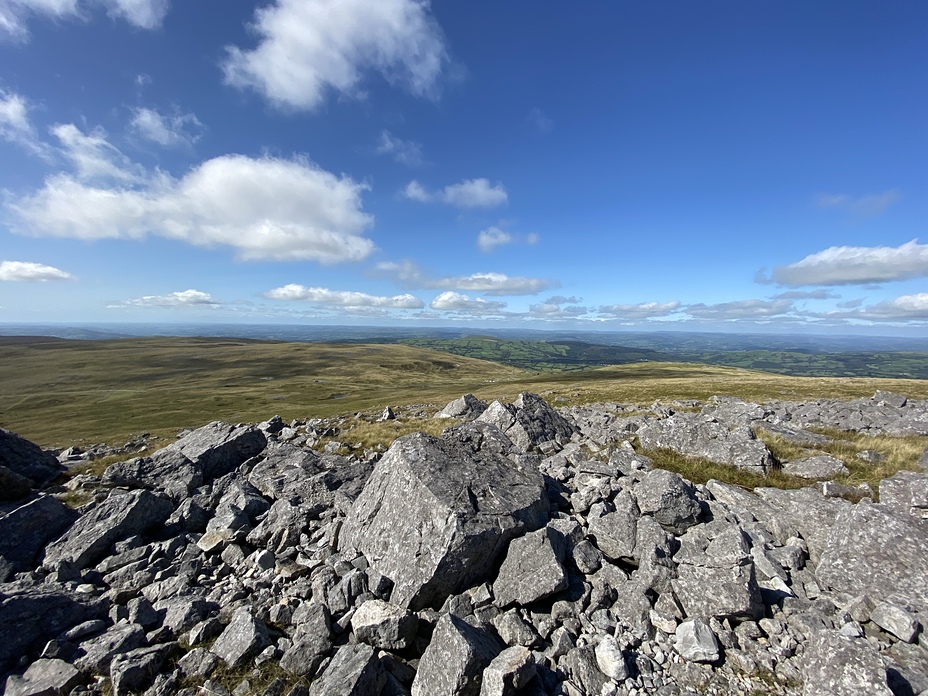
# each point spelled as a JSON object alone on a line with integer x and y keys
{"x": 243, "y": 638}
{"x": 895, "y": 620}
{"x": 669, "y": 498}
{"x": 610, "y": 659}
{"x": 437, "y": 512}
{"x": 509, "y": 671}
{"x": 45, "y": 678}
{"x": 810, "y": 512}
{"x": 529, "y": 421}
{"x": 121, "y": 515}
{"x": 734, "y": 591}
{"x": 906, "y": 492}
{"x": 134, "y": 671}
{"x": 99, "y": 651}
{"x": 27, "y": 459}
{"x": 532, "y": 568}
{"x": 820, "y": 467}
{"x": 835, "y": 664}
{"x": 13, "y": 486}
{"x": 25, "y": 531}
{"x": 467, "y": 407}
{"x": 614, "y": 528}
{"x": 355, "y": 670}
{"x": 454, "y": 661}
{"x": 384, "y": 625}
{"x": 696, "y": 641}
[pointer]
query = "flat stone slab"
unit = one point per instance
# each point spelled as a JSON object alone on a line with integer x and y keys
{"x": 819, "y": 467}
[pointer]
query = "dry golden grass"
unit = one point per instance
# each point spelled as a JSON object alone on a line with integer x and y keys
{"x": 366, "y": 435}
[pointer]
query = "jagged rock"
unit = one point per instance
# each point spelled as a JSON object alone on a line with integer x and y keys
{"x": 906, "y": 492}
{"x": 311, "y": 642}
{"x": 180, "y": 614}
{"x": 669, "y": 498}
{"x": 45, "y": 678}
{"x": 387, "y": 414}
{"x": 197, "y": 458}
{"x": 355, "y": 670}
{"x": 886, "y": 398}
{"x": 199, "y": 662}
{"x": 437, "y": 512}
{"x": 98, "y": 652}
{"x": 528, "y": 421}
{"x": 615, "y": 527}
{"x": 810, "y": 512}
{"x": 875, "y": 551}
{"x": 835, "y": 664}
{"x": 135, "y": 670}
{"x": 532, "y": 568}
{"x": 467, "y": 407}
{"x": 455, "y": 659}
{"x": 895, "y": 620}
{"x": 696, "y": 641}
{"x": 22, "y": 635}
{"x": 384, "y": 625}
{"x": 610, "y": 659}
{"x": 27, "y": 459}
{"x": 243, "y": 638}
{"x": 121, "y": 515}
{"x": 12, "y": 485}
{"x": 25, "y": 531}
{"x": 734, "y": 590}
{"x": 285, "y": 471}
{"x": 509, "y": 671}
{"x": 583, "y": 669}
{"x": 820, "y": 467}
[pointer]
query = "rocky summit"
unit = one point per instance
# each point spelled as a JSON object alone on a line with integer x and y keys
{"x": 527, "y": 550}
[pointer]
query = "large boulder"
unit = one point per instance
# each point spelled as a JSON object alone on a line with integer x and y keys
{"x": 532, "y": 569}
{"x": 836, "y": 664}
{"x": 13, "y": 486}
{"x": 455, "y": 660}
{"x": 51, "y": 677}
{"x": 812, "y": 514}
{"x": 121, "y": 515}
{"x": 875, "y": 551}
{"x": 355, "y": 670}
{"x": 27, "y": 459}
{"x": 529, "y": 421}
{"x": 669, "y": 498}
{"x": 694, "y": 435}
{"x": 197, "y": 458}
{"x": 25, "y": 531}
{"x": 467, "y": 407}
{"x": 906, "y": 492}
{"x": 437, "y": 513}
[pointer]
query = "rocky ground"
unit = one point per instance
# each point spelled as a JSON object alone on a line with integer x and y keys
{"x": 527, "y": 550}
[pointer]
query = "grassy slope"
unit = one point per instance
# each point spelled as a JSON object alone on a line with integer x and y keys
{"x": 60, "y": 392}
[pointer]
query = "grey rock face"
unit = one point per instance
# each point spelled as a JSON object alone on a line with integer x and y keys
{"x": 614, "y": 530}
{"x": 13, "y": 486}
{"x": 810, "y": 512}
{"x": 874, "y": 551}
{"x": 243, "y": 638}
{"x": 726, "y": 591}
{"x": 384, "y": 625}
{"x": 27, "y": 459}
{"x": 197, "y": 458}
{"x": 699, "y": 436}
{"x": 584, "y": 670}
{"x": 312, "y": 640}
{"x": 285, "y": 471}
{"x": 509, "y": 671}
{"x": 121, "y": 515}
{"x": 820, "y": 467}
{"x": 437, "y": 512}
{"x": 895, "y": 620}
{"x": 99, "y": 651}
{"x": 26, "y": 530}
{"x": 906, "y": 492}
{"x": 532, "y": 568}
{"x": 610, "y": 659}
{"x": 696, "y": 641}
{"x": 45, "y": 678}
{"x": 355, "y": 670}
{"x": 529, "y": 421}
{"x": 135, "y": 670}
{"x": 835, "y": 664}
{"x": 467, "y": 407}
{"x": 669, "y": 499}
{"x": 454, "y": 662}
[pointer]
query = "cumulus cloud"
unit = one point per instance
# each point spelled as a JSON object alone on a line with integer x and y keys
{"x": 15, "y": 14}
{"x": 402, "y": 151}
{"x": 864, "y": 206}
{"x": 854, "y": 266}
{"x": 806, "y": 295}
{"x": 309, "y": 48}
{"x": 554, "y": 310}
{"x": 184, "y": 298}
{"x": 167, "y": 131}
{"x": 475, "y": 193}
{"x": 904, "y": 309}
{"x": 264, "y": 208}
{"x": 342, "y": 298}
{"x": 414, "y": 191}
{"x": 28, "y": 271}
{"x": 454, "y": 301}
{"x": 740, "y": 309}
{"x": 410, "y": 275}
{"x": 637, "y": 312}
{"x": 491, "y": 238}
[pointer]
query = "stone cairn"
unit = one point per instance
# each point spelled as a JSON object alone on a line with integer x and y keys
{"x": 525, "y": 551}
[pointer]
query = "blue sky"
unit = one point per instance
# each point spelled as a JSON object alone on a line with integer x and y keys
{"x": 737, "y": 166}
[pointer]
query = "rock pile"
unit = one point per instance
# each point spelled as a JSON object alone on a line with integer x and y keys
{"x": 525, "y": 551}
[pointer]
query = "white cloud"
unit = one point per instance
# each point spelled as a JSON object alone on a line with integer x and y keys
{"x": 475, "y": 193}
{"x": 904, "y": 309}
{"x": 453, "y": 301}
{"x": 308, "y": 48}
{"x": 414, "y": 191}
{"x": 821, "y": 294}
{"x": 865, "y": 206}
{"x": 15, "y": 14}
{"x": 554, "y": 310}
{"x": 184, "y": 298}
{"x": 637, "y": 312}
{"x": 27, "y": 271}
{"x": 403, "y": 151}
{"x": 491, "y": 238}
{"x": 741, "y": 309}
{"x": 16, "y": 126}
{"x": 854, "y": 266}
{"x": 168, "y": 131}
{"x": 342, "y": 298}
{"x": 499, "y": 284}
{"x": 539, "y": 121}
{"x": 264, "y": 208}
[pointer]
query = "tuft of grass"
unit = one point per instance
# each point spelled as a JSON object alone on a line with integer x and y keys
{"x": 384, "y": 433}
{"x": 699, "y": 470}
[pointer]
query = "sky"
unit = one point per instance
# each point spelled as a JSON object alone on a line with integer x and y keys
{"x": 667, "y": 165}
